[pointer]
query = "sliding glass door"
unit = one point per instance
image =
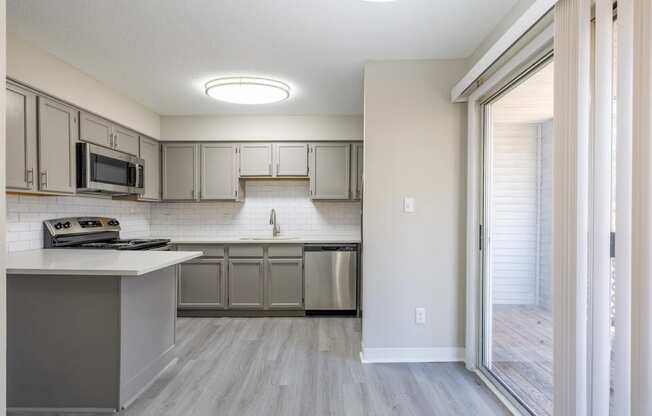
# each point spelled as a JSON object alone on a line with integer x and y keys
{"x": 517, "y": 348}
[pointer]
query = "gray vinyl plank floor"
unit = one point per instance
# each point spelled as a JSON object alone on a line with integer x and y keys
{"x": 301, "y": 366}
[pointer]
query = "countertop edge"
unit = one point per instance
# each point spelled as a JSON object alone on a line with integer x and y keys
{"x": 180, "y": 257}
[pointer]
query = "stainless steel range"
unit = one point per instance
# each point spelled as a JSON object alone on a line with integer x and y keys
{"x": 94, "y": 233}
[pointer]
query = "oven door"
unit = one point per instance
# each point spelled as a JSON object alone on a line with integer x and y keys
{"x": 101, "y": 170}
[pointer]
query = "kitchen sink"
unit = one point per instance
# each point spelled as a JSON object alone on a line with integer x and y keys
{"x": 282, "y": 237}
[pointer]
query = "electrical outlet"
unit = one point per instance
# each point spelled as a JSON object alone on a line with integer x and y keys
{"x": 408, "y": 204}
{"x": 420, "y": 315}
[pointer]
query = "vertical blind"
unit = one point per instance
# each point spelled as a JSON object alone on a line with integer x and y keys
{"x": 582, "y": 208}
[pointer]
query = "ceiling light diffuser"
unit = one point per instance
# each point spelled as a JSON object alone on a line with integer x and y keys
{"x": 247, "y": 90}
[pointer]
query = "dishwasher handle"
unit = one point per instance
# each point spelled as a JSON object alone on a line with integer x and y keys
{"x": 331, "y": 248}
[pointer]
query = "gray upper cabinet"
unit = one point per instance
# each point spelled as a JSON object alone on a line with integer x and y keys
{"x": 21, "y": 138}
{"x": 150, "y": 152}
{"x": 202, "y": 284}
{"x": 285, "y": 283}
{"x": 219, "y": 177}
{"x": 95, "y": 130}
{"x": 357, "y": 168}
{"x": 125, "y": 140}
{"x": 256, "y": 159}
{"x": 102, "y": 132}
{"x": 329, "y": 170}
{"x": 57, "y": 135}
{"x": 291, "y": 159}
{"x": 180, "y": 172}
{"x": 246, "y": 283}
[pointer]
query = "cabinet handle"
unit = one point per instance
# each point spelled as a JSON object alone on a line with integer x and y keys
{"x": 278, "y": 169}
{"x": 29, "y": 176}
{"x": 111, "y": 140}
{"x": 115, "y": 140}
{"x": 44, "y": 179}
{"x": 269, "y": 168}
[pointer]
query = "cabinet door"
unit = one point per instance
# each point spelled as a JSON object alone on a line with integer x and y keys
{"x": 150, "y": 152}
{"x": 285, "y": 283}
{"x": 57, "y": 136}
{"x": 329, "y": 170}
{"x": 291, "y": 159}
{"x": 256, "y": 159}
{"x": 219, "y": 179}
{"x": 202, "y": 284}
{"x": 357, "y": 158}
{"x": 125, "y": 140}
{"x": 180, "y": 172}
{"x": 246, "y": 283}
{"x": 95, "y": 130}
{"x": 21, "y": 138}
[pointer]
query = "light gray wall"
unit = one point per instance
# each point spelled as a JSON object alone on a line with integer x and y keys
{"x": 45, "y": 72}
{"x": 261, "y": 127}
{"x": 415, "y": 145}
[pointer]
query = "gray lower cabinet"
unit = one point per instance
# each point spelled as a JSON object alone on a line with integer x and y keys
{"x": 180, "y": 173}
{"x": 330, "y": 165}
{"x": 150, "y": 152}
{"x": 21, "y": 138}
{"x": 290, "y": 159}
{"x": 284, "y": 284}
{"x": 219, "y": 174}
{"x": 357, "y": 169}
{"x": 246, "y": 284}
{"x": 57, "y": 135}
{"x": 202, "y": 284}
{"x": 256, "y": 159}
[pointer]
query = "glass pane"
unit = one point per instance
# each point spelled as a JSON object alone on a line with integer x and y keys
{"x": 109, "y": 170}
{"x": 518, "y": 328}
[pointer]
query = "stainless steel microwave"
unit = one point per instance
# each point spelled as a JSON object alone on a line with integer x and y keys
{"x": 105, "y": 171}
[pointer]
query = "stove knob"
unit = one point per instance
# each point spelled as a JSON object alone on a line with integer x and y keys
{"x": 58, "y": 226}
{"x": 114, "y": 223}
{"x": 67, "y": 224}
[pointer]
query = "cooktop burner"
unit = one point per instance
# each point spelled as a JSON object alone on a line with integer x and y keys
{"x": 135, "y": 244}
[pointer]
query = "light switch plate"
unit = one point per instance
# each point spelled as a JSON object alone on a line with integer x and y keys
{"x": 408, "y": 204}
{"x": 420, "y": 315}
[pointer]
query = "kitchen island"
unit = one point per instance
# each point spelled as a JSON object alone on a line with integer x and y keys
{"x": 88, "y": 329}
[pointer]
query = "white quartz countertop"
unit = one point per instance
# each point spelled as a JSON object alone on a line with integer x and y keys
{"x": 261, "y": 240}
{"x": 72, "y": 262}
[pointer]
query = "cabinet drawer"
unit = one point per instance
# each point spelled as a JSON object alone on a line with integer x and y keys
{"x": 209, "y": 251}
{"x": 285, "y": 251}
{"x": 245, "y": 251}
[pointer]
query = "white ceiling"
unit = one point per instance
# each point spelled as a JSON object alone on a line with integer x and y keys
{"x": 530, "y": 102}
{"x": 160, "y": 52}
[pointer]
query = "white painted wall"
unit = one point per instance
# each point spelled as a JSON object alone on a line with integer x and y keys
{"x": 414, "y": 146}
{"x": 45, "y": 72}
{"x": 545, "y": 261}
{"x": 514, "y": 213}
{"x": 261, "y": 127}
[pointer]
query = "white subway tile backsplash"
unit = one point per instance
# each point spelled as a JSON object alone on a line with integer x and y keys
{"x": 26, "y": 213}
{"x": 297, "y": 215}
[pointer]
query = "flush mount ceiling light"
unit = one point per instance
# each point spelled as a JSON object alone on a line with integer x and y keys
{"x": 247, "y": 90}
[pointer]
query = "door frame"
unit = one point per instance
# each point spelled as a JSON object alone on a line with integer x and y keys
{"x": 539, "y": 48}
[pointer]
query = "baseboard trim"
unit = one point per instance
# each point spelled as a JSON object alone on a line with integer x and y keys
{"x": 411, "y": 355}
{"x": 57, "y": 410}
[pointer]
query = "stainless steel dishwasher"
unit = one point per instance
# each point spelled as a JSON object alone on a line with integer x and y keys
{"x": 331, "y": 277}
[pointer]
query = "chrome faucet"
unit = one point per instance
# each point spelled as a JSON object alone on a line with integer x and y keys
{"x": 272, "y": 220}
